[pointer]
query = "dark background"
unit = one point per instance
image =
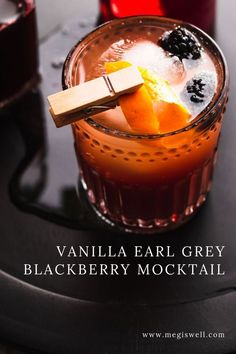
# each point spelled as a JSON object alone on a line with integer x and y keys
{"x": 101, "y": 315}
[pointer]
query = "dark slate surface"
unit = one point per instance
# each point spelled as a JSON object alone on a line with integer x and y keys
{"x": 99, "y": 314}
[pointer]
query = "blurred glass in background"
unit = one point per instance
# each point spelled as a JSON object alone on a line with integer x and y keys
{"x": 18, "y": 49}
{"x": 198, "y": 12}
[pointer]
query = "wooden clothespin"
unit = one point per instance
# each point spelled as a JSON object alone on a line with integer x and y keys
{"x": 93, "y": 96}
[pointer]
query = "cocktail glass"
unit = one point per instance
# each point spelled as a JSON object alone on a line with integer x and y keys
{"x": 138, "y": 182}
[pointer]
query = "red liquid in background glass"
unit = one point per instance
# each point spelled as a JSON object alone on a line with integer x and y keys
{"x": 200, "y": 13}
{"x": 18, "y": 49}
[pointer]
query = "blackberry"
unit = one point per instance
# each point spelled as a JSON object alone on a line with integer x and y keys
{"x": 181, "y": 43}
{"x": 199, "y": 91}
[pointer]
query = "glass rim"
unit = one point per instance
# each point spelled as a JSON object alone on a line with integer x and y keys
{"x": 206, "y": 113}
{"x": 26, "y": 5}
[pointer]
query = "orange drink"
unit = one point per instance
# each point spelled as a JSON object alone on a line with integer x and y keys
{"x": 147, "y": 164}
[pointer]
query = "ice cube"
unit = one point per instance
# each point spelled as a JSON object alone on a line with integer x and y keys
{"x": 172, "y": 69}
{"x": 114, "y": 53}
{"x": 149, "y": 55}
{"x": 145, "y": 53}
{"x": 191, "y": 64}
{"x": 199, "y": 91}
